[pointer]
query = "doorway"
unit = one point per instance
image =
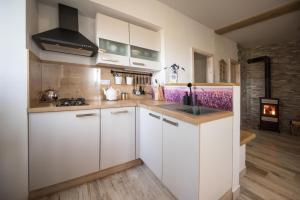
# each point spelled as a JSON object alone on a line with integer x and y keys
{"x": 202, "y": 67}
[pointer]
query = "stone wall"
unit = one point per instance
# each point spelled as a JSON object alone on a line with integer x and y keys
{"x": 285, "y": 81}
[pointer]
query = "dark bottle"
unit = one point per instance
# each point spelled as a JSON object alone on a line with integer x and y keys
{"x": 186, "y": 99}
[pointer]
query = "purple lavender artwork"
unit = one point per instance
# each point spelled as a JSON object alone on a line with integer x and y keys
{"x": 219, "y": 98}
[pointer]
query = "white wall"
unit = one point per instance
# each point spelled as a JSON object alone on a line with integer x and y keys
{"x": 224, "y": 49}
{"x": 13, "y": 101}
{"x": 180, "y": 33}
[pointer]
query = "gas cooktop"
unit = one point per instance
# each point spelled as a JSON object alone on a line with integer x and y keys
{"x": 71, "y": 102}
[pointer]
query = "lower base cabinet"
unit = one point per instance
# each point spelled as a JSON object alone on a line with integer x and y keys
{"x": 197, "y": 159}
{"x": 62, "y": 146}
{"x": 151, "y": 140}
{"x": 117, "y": 136}
{"x": 181, "y": 158}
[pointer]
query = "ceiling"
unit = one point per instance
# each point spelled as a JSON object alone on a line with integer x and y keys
{"x": 215, "y": 15}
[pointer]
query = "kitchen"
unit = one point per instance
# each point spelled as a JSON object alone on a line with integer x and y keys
{"x": 113, "y": 91}
{"x": 130, "y": 140}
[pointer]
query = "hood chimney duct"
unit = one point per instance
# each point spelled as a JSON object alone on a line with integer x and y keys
{"x": 267, "y": 62}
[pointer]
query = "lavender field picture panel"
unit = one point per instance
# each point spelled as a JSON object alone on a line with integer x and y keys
{"x": 219, "y": 98}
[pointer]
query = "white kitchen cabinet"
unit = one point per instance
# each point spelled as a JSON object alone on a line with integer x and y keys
{"x": 112, "y": 38}
{"x": 197, "y": 159}
{"x": 113, "y": 29}
{"x": 216, "y": 158}
{"x": 61, "y": 147}
{"x": 151, "y": 140}
{"x": 181, "y": 158}
{"x": 145, "y": 38}
{"x": 144, "y": 48}
{"x": 117, "y": 136}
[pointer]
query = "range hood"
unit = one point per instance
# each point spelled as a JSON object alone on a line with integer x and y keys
{"x": 66, "y": 38}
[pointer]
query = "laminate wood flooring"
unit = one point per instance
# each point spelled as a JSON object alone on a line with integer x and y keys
{"x": 273, "y": 173}
{"x": 273, "y": 168}
{"x": 137, "y": 183}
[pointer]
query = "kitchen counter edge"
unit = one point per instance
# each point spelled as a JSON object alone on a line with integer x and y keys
{"x": 148, "y": 104}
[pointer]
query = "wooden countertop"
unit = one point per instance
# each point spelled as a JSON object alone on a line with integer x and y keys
{"x": 203, "y": 84}
{"x": 149, "y": 104}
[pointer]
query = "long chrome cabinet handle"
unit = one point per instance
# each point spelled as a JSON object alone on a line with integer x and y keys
{"x": 119, "y": 112}
{"x": 155, "y": 116}
{"x": 138, "y": 63}
{"x": 86, "y": 115}
{"x": 170, "y": 122}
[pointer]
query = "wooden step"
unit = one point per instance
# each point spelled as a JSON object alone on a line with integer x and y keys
{"x": 246, "y": 137}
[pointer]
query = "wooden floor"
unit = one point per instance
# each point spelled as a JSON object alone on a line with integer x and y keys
{"x": 133, "y": 184}
{"x": 273, "y": 172}
{"x": 273, "y": 168}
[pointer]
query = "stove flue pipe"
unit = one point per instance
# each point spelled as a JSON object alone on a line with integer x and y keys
{"x": 267, "y": 62}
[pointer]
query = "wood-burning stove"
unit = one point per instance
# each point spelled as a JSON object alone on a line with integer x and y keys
{"x": 269, "y": 114}
{"x": 269, "y": 107}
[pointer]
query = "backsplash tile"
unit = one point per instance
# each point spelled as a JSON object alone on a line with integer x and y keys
{"x": 73, "y": 80}
{"x": 219, "y": 98}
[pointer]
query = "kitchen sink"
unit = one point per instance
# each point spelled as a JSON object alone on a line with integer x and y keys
{"x": 194, "y": 110}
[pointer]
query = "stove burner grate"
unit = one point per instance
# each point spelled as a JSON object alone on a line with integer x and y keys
{"x": 71, "y": 102}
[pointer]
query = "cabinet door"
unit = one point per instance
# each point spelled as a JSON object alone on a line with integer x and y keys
{"x": 144, "y": 38}
{"x": 111, "y": 29}
{"x": 112, "y": 37}
{"x": 215, "y": 151}
{"x": 151, "y": 140}
{"x": 117, "y": 136}
{"x": 61, "y": 147}
{"x": 181, "y": 158}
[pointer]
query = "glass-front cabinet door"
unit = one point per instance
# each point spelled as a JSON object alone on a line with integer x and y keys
{"x": 144, "y": 58}
{"x": 111, "y": 52}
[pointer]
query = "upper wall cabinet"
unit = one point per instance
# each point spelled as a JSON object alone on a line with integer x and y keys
{"x": 112, "y": 29}
{"x": 112, "y": 37}
{"x": 144, "y": 38}
{"x": 127, "y": 45}
{"x": 144, "y": 48}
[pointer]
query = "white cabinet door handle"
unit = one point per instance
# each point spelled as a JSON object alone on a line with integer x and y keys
{"x": 155, "y": 116}
{"x": 170, "y": 122}
{"x": 86, "y": 115}
{"x": 109, "y": 59}
{"x": 119, "y": 112}
{"x": 138, "y": 63}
